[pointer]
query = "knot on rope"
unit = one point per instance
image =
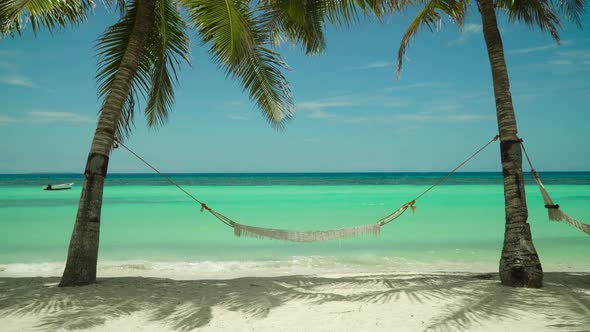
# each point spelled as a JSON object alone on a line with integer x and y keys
{"x": 116, "y": 142}
{"x": 411, "y": 205}
{"x": 552, "y": 206}
{"x": 204, "y": 207}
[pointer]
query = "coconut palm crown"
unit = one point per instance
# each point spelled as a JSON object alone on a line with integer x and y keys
{"x": 541, "y": 14}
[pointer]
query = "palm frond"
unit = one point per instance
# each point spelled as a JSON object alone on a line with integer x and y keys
{"x": 303, "y": 21}
{"x": 111, "y": 47}
{"x": 168, "y": 47}
{"x": 455, "y": 9}
{"x": 398, "y": 5}
{"x": 346, "y": 12}
{"x": 238, "y": 44}
{"x": 534, "y": 13}
{"x": 343, "y": 12}
{"x": 300, "y": 22}
{"x": 119, "y": 5}
{"x": 573, "y": 10}
{"x": 48, "y": 14}
{"x": 429, "y": 17}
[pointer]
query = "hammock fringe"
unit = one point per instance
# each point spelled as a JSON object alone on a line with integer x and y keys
{"x": 555, "y": 213}
{"x": 305, "y": 236}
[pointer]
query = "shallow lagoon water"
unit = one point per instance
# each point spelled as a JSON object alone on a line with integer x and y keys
{"x": 149, "y": 225}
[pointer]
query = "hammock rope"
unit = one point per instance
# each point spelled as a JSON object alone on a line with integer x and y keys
{"x": 554, "y": 211}
{"x": 310, "y": 235}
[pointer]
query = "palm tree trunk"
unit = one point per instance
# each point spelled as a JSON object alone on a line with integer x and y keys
{"x": 519, "y": 264}
{"x": 83, "y": 251}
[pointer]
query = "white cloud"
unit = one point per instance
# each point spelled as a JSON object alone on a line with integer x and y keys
{"x": 319, "y": 114}
{"x": 17, "y": 81}
{"x": 381, "y": 109}
{"x": 65, "y": 117}
{"x": 236, "y": 117}
{"x": 418, "y": 117}
{"x": 311, "y": 140}
{"x": 572, "y": 57}
{"x": 445, "y": 117}
{"x": 316, "y": 109}
{"x": 467, "y": 117}
{"x": 467, "y": 31}
{"x": 236, "y": 103}
{"x": 561, "y": 62}
{"x": 374, "y": 65}
{"x": 395, "y": 104}
{"x": 9, "y": 53}
{"x": 316, "y": 105}
{"x": 416, "y": 86}
{"x": 358, "y": 119}
{"x": 575, "y": 54}
{"x": 6, "y": 120}
{"x": 471, "y": 28}
{"x": 539, "y": 48}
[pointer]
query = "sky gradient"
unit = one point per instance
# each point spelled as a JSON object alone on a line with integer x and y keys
{"x": 352, "y": 112}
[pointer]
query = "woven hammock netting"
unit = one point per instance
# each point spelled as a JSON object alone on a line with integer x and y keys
{"x": 555, "y": 213}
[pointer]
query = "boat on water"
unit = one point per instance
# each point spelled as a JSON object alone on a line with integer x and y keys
{"x": 61, "y": 186}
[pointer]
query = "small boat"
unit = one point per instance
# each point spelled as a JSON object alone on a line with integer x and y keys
{"x": 62, "y": 186}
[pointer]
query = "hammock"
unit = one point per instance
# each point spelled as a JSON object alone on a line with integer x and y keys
{"x": 305, "y": 236}
{"x": 555, "y": 213}
{"x": 241, "y": 230}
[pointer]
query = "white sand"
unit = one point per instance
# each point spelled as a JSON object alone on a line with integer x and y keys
{"x": 393, "y": 302}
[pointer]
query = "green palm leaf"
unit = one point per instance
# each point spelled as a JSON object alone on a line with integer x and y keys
{"x": 346, "y": 12}
{"x": 429, "y": 17}
{"x": 49, "y": 14}
{"x": 301, "y": 22}
{"x": 534, "y": 13}
{"x": 573, "y": 10}
{"x": 237, "y": 43}
{"x": 167, "y": 48}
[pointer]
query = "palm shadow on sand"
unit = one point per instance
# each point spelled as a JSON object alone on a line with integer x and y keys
{"x": 186, "y": 305}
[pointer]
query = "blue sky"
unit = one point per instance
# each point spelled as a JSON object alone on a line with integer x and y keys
{"x": 352, "y": 112}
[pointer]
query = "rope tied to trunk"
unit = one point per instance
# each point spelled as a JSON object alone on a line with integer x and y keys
{"x": 553, "y": 210}
{"x": 308, "y": 235}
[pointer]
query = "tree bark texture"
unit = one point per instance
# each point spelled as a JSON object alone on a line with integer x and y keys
{"x": 83, "y": 251}
{"x": 519, "y": 264}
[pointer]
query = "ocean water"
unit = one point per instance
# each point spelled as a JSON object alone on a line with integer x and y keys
{"x": 151, "y": 228}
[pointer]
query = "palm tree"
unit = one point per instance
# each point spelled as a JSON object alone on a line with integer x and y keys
{"x": 519, "y": 263}
{"x": 138, "y": 57}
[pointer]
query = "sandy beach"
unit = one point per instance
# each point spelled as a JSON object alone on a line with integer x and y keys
{"x": 400, "y": 302}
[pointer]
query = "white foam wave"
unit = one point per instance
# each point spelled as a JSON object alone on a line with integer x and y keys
{"x": 296, "y": 265}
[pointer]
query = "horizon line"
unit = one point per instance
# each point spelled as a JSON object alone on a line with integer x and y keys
{"x": 306, "y": 172}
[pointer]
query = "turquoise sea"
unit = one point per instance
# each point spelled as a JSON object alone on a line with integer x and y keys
{"x": 151, "y": 228}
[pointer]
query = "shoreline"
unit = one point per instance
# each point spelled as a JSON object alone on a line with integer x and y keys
{"x": 401, "y": 302}
{"x": 296, "y": 265}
